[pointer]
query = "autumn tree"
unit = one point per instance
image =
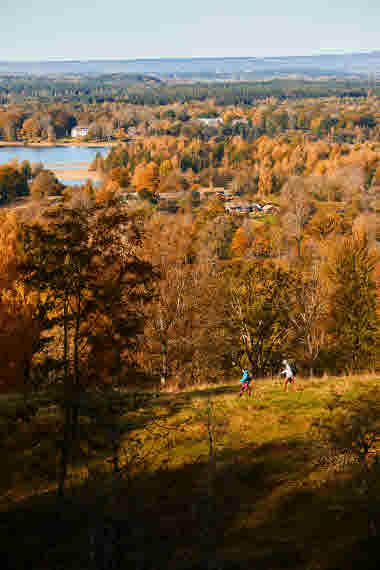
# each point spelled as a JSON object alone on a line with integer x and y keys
{"x": 240, "y": 242}
{"x": 296, "y": 198}
{"x": 173, "y": 181}
{"x": 26, "y": 169}
{"x": 90, "y": 287}
{"x": 215, "y": 233}
{"x": 13, "y": 184}
{"x": 146, "y": 176}
{"x": 45, "y": 184}
{"x": 323, "y": 225}
{"x": 18, "y": 331}
{"x": 33, "y": 128}
{"x": 11, "y": 122}
{"x": 308, "y": 322}
{"x": 353, "y": 318}
{"x": 19, "y": 334}
{"x": 63, "y": 122}
{"x": 167, "y": 317}
{"x": 260, "y": 301}
{"x": 120, "y": 176}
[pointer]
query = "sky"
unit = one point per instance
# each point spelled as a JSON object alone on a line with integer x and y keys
{"x": 125, "y": 29}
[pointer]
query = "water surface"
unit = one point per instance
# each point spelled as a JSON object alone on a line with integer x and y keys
{"x": 69, "y": 156}
{"x": 80, "y": 182}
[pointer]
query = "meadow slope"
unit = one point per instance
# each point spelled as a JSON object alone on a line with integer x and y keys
{"x": 271, "y": 499}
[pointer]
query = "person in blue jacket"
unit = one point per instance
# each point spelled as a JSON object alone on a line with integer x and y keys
{"x": 245, "y": 381}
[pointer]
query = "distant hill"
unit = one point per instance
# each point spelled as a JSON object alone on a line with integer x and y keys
{"x": 234, "y": 67}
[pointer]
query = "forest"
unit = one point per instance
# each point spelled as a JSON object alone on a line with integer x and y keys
{"x": 34, "y": 109}
{"x": 233, "y": 226}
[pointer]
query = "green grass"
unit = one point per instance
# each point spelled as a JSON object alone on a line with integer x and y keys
{"x": 267, "y": 218}
{"x": 275, "y": 506}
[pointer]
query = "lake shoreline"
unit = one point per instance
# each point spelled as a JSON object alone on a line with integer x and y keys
{"x": 71, "y": 163}
{"x": 45, "y": 144}
{"x": 76, "y": 174}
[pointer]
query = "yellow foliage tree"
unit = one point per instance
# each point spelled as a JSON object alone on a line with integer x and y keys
{"x": 146, "y": 176}
{"x": 240, "y": 242}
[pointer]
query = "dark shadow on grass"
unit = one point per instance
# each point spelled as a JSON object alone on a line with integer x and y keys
{"x": 259, "y": 511}
{"x": 255, "y": 514}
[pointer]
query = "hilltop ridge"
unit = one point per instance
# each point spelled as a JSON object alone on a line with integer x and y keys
{"x": 355, "y": 64}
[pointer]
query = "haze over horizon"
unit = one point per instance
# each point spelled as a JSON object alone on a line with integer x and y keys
{"x": 184, "y": 58}
{"x": 93, "y": 30}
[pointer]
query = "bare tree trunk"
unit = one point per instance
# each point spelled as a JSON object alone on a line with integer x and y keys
{"x": 65, "y": 448}
{"x": 164, "y": 362}
{"x": 211, "y": 452}
{"x": 298, "y": 246}
{"x": 75, "y": 403}
{"x": 67, "y": 434}
{"x": 65, "y": 341}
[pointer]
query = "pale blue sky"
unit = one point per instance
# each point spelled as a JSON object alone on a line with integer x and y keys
{"x": 125, "y": 29}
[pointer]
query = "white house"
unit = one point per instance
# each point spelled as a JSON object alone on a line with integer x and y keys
{"x": 210, "y": 121}
{"x": 238, "y": 208}
{"x": 79, "y": 131}
{"x": 270, "y": 208}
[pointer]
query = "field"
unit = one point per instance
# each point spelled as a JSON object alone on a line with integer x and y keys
{"x": 266, "y": 498}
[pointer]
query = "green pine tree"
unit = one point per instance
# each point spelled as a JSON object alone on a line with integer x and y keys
{"x": 353, "y": 321}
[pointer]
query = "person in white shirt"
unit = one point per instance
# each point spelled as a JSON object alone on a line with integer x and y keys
{"x": 289, "y": 375}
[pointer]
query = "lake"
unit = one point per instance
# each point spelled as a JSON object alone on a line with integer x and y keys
{"x": 78, "y": 182}
{"x": 51, "y": 155}
{"x": 55, "y": 157}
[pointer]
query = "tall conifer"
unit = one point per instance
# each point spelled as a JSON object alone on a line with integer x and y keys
{"x": 353, "y": 312}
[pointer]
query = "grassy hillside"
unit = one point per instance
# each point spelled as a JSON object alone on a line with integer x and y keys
{"x": 274, "y": 498}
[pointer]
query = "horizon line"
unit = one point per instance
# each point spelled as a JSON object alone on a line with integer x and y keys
{"x": 190, "y": 58}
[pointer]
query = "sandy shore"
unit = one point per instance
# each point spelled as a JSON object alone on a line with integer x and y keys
{"x": 64, "y": 166}
{"x": 75, "y": 173}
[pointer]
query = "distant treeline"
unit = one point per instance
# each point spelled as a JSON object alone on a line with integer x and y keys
{"x": 141, "y": 89}
{"x": 247, "y": 93}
